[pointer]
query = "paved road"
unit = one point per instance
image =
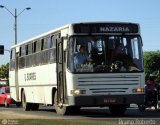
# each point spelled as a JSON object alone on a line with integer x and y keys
{"x": 85, "y": 113}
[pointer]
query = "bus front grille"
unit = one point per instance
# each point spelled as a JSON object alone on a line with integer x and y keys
{"x": 109, "y": 84}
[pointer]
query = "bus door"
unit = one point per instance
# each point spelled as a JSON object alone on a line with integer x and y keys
{"x": 16, "y": 75}
{"x": 61, "y": 74}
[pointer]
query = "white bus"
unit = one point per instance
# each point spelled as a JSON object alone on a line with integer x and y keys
{"x": 42, "y": 69}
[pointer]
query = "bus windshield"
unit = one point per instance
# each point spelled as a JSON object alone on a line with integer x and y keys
{"x": 120, "y": 53}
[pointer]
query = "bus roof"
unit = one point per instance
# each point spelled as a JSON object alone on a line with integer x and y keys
{"x": 41, "y": 35}
{"x": 69, "y": 25}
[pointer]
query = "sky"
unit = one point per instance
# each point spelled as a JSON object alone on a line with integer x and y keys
{"x": 46, "y": 15}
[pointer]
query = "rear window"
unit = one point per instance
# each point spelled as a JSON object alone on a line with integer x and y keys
{"x": 0, "y": 90}
{"x": 4, "y": 90}
{"x": 7, "y": 90}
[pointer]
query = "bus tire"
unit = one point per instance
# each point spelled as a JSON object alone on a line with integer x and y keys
{"x": 117, "y": 110}
{"x": 60, "y": 110}
{"x": 26, "y": 106}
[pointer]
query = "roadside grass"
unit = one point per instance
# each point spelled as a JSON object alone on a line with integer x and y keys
{"x": 61, "y": 122}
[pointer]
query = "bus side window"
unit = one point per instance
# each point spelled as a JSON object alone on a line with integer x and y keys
{"x": 13, "y": 54}
{"x": 53, "y": 42}
{"x": 44, "y": 51}
{"x": 44, "y": 43}
{"x": 38, "y": 46}
{"x": 29, "y": 49}
{"x": 48, "y": 42}
{"x": 28, "y": 55}
{"x": 12, "y": 59}
{"x": 36, "y": 50}
{"x": 52, "y": 50}
{"x": 22, "y": 56}
{"x": 34, "y": 47}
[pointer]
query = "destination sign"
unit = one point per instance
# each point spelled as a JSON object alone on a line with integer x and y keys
{"x": 106, "y": 28}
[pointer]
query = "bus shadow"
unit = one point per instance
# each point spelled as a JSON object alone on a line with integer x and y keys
{"x": 130, "y": 113}
{"x": 105, "y": 113}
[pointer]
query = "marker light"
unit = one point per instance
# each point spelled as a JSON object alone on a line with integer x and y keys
{"x": 77, "y": 92}
{"x": 138, "y": 90}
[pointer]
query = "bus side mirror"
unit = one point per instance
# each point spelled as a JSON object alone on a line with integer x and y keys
{"x": 1, "y": 49}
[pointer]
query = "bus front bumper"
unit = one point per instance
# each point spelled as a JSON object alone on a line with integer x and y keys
{"x": 105, "y": 100}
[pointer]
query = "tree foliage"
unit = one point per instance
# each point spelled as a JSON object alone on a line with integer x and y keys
{"x": 152, "y": 64}
{"x": 4, "y": 71}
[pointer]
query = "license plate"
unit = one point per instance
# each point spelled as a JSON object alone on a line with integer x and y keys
{"x": 109, "y": 100}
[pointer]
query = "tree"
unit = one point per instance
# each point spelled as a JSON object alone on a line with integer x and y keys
{"x": 4, "y": 71}
{"x": 152, "y": 64}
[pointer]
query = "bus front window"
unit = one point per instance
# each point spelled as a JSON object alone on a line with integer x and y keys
{"x": 126, "y": 53}
{"x": 105, "y": 54}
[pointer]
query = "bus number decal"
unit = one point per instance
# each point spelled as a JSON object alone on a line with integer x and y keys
{"x": 30, "y": 76}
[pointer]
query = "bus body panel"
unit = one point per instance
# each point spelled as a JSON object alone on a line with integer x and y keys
{"x": 37, "y": 82}
{"x": 105, "y": 85}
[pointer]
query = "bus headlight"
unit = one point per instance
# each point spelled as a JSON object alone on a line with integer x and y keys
{"x": 77, "y": 92}
{"x": 138, "y": 90}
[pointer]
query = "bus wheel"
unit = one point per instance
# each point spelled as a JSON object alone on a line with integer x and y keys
{"x": 60, "y": 109}
{"x": 117, "y": 109}
{"x": 156, "y": 107}
{"x": 26, "y": 106}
